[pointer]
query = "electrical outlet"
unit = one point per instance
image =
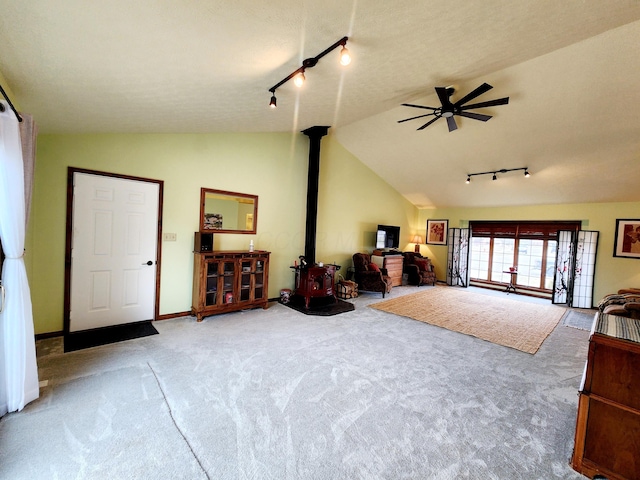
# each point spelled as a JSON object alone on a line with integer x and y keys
{"x": 169, "y": 237}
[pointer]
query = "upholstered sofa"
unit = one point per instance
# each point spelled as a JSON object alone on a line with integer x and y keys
{"x": 419, "y": 269}
{"x": 625, "y": 303}
{"x": 369, "y": 276}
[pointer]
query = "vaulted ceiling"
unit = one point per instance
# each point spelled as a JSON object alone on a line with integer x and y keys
{"x": 570, "y": 70}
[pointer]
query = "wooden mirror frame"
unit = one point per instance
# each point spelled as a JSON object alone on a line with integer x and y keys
{"x": 206, "y": 225}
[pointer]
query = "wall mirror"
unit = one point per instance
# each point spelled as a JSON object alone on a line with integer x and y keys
{"x": 227, "y": 212}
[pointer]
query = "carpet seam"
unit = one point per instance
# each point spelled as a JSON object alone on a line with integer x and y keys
{"x": 166, "y": 401}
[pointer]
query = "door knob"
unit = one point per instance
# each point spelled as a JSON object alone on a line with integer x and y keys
{"x": 148, "y": 263}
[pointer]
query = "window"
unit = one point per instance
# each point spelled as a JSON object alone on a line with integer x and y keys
{"x": 529, "y": 246}
{"x": 552, "y": 248}
{"x": 479, "y": 258}
{"x": 502, "y": 258}
{"x": 530, "y": 253}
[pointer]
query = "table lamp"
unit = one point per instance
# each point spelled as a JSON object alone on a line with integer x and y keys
{"x": 417, "y": 239}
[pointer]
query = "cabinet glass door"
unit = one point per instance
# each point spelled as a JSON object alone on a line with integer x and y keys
{"x": 245, "y": 279}
{"x": 259, "y": 279}
{"x": 228, "y": 279}
{"x": 211, "y": 280}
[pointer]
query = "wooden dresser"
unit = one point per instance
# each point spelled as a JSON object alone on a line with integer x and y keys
{"x": 393, "y": 264}
{"x": 607, "y": 440}
{"x": 226, "y": 281}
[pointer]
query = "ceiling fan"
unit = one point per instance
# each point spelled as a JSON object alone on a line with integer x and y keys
{"x": 448, "y": 109}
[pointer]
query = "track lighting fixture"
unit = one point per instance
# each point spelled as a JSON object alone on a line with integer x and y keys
{"x": 298, "y": 75}
{"x": 495, "y": 173}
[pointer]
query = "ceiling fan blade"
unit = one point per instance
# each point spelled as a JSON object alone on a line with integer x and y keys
{"x": 413, "y": 118}
{"x": 418, "y": 106}
{"x": 485, "y": 87}
{"x": 427, "y": 124}
{"x": 475, "y": 116}
{"x": 451, "y": 123}
{"x": 490, "y": 103}
{"x": 443, "y": 95}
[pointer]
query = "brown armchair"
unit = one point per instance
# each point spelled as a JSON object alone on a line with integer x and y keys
{"x": 418, "y": 269}
{"x": 370, "y": 278}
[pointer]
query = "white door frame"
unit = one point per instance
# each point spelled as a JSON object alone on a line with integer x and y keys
{"x": 69, "y": 237}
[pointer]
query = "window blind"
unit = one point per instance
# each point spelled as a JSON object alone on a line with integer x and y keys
{"x": 539, "y": 230}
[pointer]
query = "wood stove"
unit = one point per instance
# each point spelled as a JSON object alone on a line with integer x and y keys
{"x": 316, "y": 282}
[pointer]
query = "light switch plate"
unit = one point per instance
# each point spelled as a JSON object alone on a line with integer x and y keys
{"x": 169, "y": 237}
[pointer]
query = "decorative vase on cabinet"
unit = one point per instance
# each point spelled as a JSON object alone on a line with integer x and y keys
{"x": 227, "y": 281}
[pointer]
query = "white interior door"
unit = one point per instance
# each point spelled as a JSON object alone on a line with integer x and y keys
{"x": 114, "y": 248}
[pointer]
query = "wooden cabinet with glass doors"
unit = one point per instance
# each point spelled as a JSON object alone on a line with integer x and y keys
{"x": 227, "y": 281}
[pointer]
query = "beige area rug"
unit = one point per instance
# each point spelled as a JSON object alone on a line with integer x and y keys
{"x": 511, "y": 323}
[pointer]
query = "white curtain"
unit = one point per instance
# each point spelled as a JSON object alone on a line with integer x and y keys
{"x": 18, "y": 368}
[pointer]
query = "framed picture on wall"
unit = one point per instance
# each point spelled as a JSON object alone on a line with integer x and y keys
{"x": 437, "y": 232}
{"x": 627, "y": 240}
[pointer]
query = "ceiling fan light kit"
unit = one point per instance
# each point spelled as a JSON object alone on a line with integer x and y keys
{"x": 496, "y": 172}
{"x": 298, "y": 75}
{"x": 449, "y": 110}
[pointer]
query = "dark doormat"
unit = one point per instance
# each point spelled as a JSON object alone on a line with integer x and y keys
{"x": 320, "y": 306}
{"x": 103, "y": 336}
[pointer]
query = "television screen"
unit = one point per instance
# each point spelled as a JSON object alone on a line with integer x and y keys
{"x": 388, "y": 236}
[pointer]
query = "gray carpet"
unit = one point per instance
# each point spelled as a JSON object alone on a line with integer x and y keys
{"x": 275, "y": 394}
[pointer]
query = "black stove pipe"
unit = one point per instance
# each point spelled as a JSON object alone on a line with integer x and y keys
{"x": 315, "y": 135}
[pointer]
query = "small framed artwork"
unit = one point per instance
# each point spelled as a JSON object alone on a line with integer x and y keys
{"x": 437, "y": 232}
{"x": 627, "y": 238}
{"x": 212, "y": 221}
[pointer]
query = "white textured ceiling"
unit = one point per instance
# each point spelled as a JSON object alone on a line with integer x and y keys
{"x": 570, "y": 69}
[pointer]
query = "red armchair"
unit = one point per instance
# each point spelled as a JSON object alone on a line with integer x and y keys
{"x": 369, "y": 276}
{"x": 419, "y": 269}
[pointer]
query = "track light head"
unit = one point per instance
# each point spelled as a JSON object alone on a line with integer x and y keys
{"x": 299, "y": 79}
{"x": 468, "y": 179}
{"x": 274, "y": 101}
{"x": 345, "y": 56}
{"x": 526, "y": 173}
{"x": 495, "y": 177}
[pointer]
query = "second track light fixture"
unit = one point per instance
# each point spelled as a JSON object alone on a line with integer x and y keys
{"x": 496, "y": 172}
{"x": 298, "y": 75}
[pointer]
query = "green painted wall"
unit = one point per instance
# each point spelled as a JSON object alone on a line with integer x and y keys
{"x": 612, "y": 273}
{"x": 352, "y": 201}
